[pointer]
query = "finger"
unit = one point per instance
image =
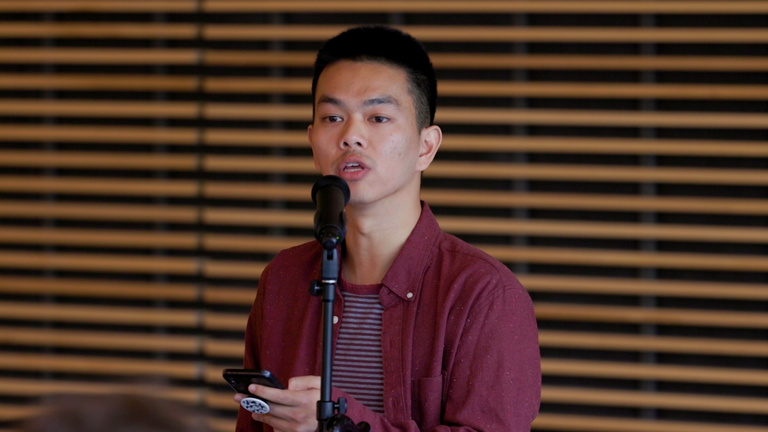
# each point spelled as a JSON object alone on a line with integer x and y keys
{"x": 277, "y": 423}
{"x": 304, "y": 383}
{"x": 274, "y": 395}
{"x": 239, "y": 396}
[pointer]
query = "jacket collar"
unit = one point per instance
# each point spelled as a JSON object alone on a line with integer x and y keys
{"x": 404, "y": 278}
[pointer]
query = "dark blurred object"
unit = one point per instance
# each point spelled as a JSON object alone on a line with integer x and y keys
{"x": 113, "y": 413}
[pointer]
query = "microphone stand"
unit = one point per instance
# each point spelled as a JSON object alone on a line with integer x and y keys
{"x": 326, "y": 407}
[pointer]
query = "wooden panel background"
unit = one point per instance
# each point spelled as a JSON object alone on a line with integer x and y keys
{"x": 153, "y": 158}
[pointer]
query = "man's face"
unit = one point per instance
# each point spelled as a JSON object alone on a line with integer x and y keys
{"x": 365, "y": 132}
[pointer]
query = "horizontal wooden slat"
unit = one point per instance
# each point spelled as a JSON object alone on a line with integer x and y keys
{"x": 588, "y": 423}
{"x": 41, "y": 387}
{"x": 96, "y": 288}
{"x": 661, "y": 119}
{"x": 231, "y": 269}
{"x": 505, "y": 89}
{"x": 452, "y": 142}
{"x": 599, "y": 145}
{"x": 630, "y": 259}
{"x": 484, "y": 6}
{"x": 98, "y": 262}
{"x": 652, "y": 343}
{"x": 560, "y": 256}
{"x": 509, "y": 143}
{"x": 487, "y": 116}
{"x": 607, "y": 202}
{"x": 100, "y": 315}
{"x": 101, "y": 340}
{"x": 102, "y": 187}
{"x": 722, "y": 63}
{"x": 178, "y": 56}
{"x": 244, "y": 297}
{"x": 159, "y": 239}
{"x": 510, "y": 171}
{"x": 224, "y": 348}
{"x": 146, "y": 83}
{"x": 97, "y": 160}
{"x": 644, "y": 287}
{"x": 225, "y": 321}
{"x": 574, "y": 340}
{"x": 490, "y": 116}
{"x": 659, "y": 400}
{"x": 597, "y": 173}
{"x": 98, "y": 6}
{"x": 613, "y": 230}
{"x": 101, "y": 30}
{"x": 97, "y": 212}
{"x": 15, "y": 413}
{"x": 453, "y": 34}
{"x": 248, "y": 243}
{"x": 661, "y": 316}
{"x": 94, "y": 108}
{"x": 502, "y": 226}
{"x": 225, "y": 295}
{"x": 504, "y": 199}
{"x": 258, "y": 217}
{"x": 100, "y": 56}
{"x": 111, "y": 134}
{"x": 221, "y": 400}
{"x": 599, "y": 342}
{"x": 478, "y": 170}
{"x": 654, "y": 372}
{"x": 99, "y": 365}
{"x": 446, "y": 33}
{"x": 108, "y": 289}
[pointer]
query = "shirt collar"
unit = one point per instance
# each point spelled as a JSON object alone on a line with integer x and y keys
{"x": 404, "y": 277}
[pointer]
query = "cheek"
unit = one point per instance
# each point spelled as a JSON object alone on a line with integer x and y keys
{"x": 405, "y": 150}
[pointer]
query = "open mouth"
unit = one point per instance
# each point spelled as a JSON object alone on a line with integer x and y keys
{"x": 352, "y": 167}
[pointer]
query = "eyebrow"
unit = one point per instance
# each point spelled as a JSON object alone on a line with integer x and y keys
{"x": 380, "y": 100}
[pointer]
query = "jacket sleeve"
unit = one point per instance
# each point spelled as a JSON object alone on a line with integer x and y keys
{"x": 495, "y": 382}
{"x": 250, "y": 357}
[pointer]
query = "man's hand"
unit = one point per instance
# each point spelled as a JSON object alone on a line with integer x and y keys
{"x": 291, "y": 410}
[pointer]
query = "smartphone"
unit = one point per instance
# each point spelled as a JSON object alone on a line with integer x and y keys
{"x": 240, "y": 379}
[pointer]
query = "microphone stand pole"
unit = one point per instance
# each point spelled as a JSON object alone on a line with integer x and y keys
{"x": 326, "y": 407}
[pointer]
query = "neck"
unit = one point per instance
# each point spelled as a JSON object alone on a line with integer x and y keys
{"x": 374, "y": 238}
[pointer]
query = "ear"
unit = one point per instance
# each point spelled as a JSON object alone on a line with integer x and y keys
{"x": 431, "y": 138}
{"x": 312, "y": 146}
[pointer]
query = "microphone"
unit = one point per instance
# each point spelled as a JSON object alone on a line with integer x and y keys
{"x": 331, "y": 195}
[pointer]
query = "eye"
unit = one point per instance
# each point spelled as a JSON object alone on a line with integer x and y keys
{"x": 379, "y": 119}
{"x": 332, "y": 118}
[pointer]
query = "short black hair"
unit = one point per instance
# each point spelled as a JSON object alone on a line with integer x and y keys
{"x": 392, "y": 47}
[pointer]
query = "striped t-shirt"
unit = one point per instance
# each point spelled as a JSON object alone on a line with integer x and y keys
{"x": 357, "y": 365}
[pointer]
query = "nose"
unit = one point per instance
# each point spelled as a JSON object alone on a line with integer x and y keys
{"x": 353, "y": 134}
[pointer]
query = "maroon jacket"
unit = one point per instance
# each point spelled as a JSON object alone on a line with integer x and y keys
{"x": 459, "y": 336}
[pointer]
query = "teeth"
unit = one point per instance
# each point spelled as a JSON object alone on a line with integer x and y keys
{"x": 352, "y": 167}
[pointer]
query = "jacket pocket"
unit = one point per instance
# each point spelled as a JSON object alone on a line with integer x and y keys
{"x": 427, "y": 401}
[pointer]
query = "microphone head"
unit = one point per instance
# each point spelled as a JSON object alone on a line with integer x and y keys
{"x": 331, "y": 180}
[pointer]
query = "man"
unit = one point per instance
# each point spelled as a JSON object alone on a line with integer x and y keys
{"x": 430, "y": 333}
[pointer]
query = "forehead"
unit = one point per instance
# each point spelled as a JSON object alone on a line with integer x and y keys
{"x": 347, "y": 78}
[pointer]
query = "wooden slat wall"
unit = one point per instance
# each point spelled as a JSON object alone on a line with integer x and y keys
{"x": 153, "y": 158}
